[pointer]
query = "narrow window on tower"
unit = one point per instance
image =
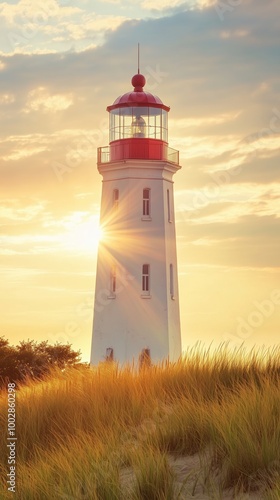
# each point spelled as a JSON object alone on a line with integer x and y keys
{"x": 168, "y": 206}
{"x": 145, "y": 280}
{"x": 115, "y": 198}
{"x": 109, "y": 354}
{"x": 171, "y": 278}
{"x": 113, "y": 282}
{"x": 145, "y": 358}
{"x": 146, "y": 203}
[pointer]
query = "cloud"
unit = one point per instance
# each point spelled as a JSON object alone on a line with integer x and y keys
{"x": 261, "y": 169}
{"x": 12, "y": 212}
{"x": 174, "y": 5}
{"x": 234, "y": 34}
{"x": 161, "y": 5}
{"x": 39, "y": 99}
{"x": 7, "y": 98}
{"x": 250, "y": 241}
{"x": 38, "y": 12}
{"x": 45, "y": 27}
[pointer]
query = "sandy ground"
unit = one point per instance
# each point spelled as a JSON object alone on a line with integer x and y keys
{"x": 198, "y": 482}
{"x": 192, "y": 481}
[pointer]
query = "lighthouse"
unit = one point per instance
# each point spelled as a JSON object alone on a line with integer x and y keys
{"x": 136, "y": 309}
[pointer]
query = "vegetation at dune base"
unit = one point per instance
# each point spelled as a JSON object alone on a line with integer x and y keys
{"x": 114, "y": 433}
{"x": 33, "y": 360}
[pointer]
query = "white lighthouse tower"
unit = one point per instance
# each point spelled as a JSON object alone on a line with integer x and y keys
{"x": 136, "y": 308}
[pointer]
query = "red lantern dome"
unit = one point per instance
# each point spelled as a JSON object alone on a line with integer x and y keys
{"x": 138, "y": 126}
{"x": 138, "y": 97}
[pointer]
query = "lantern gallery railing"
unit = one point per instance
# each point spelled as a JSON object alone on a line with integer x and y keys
{"x": 172, "y": 155}
{"x": 127, "y": 149}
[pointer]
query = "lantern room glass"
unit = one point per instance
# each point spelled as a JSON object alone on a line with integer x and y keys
{"x": 138, "y": 122}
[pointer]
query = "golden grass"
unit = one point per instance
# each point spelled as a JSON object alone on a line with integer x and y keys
{"x": 109, "y": 433}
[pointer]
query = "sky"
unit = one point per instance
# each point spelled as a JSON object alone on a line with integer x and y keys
{"x": 216, "y": 64}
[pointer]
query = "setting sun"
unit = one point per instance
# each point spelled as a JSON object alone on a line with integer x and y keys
{"x": 83, "y": 234}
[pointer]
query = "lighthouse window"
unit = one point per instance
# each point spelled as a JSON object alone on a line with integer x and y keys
{"x": 145, "y": 358}
{"x": 168, "y": 206}
{"x": 146, "y": 278}
{"x": 146, "y": 202}
{"x": 138, "y": 122}
{"x": 171, "y": 281}
{"x": 164, "y": 126}
{"x": 109, "y": 354}
{"x": 115, "y": 198}
{"x": 113, "y": 280}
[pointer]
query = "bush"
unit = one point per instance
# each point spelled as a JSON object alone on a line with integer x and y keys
{"x": 33, "y": 360}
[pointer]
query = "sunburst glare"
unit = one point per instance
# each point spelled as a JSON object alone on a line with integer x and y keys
{"x": 84, "y": 236}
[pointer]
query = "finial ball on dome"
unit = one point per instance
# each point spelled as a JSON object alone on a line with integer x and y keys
{"x": 138, "y": 81}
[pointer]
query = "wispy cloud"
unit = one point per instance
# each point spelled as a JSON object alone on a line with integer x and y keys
{"x": 40, "y": 99}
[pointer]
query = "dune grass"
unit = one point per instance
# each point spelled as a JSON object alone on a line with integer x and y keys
{"x": 109, "y": 432}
